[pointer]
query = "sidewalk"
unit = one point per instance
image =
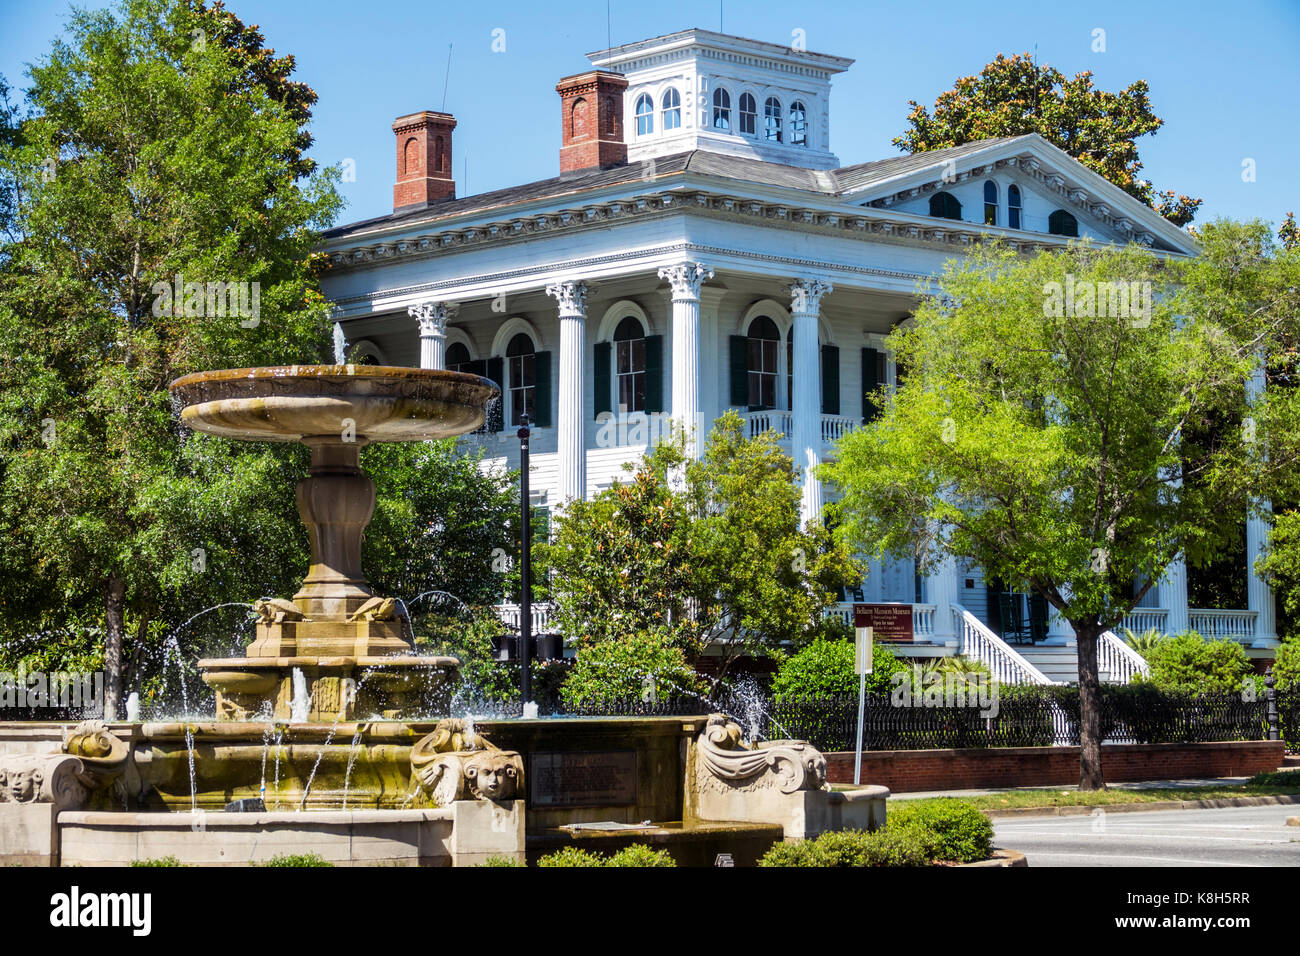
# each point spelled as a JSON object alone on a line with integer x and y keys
{"x": 1136, "y": 785}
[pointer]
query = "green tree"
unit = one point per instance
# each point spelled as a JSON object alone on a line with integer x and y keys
{"x": 149, "y": 154}
{"x": 826, "y": 667}
{"x": 1046, "y": 443}
{"x": 1188, "y": 663}
{"x": 1015, "y": 95}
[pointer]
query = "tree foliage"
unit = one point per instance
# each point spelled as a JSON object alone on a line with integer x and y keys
{"x": 1074, "y": 453}
{"x": 1015, "y": 95}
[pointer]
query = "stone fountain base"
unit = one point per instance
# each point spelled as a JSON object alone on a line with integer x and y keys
{"x": 337, "y": 688}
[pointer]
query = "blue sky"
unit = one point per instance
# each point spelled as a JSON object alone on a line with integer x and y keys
{"x": 1222, "y": 75}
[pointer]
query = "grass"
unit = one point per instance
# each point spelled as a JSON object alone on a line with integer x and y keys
{"x": 1263, "y": 785}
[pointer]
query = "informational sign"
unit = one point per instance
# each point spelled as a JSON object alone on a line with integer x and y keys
{"x": 891, "y": 623}
{"x": 862, "y": 658}
{"x": 582, "y": 779}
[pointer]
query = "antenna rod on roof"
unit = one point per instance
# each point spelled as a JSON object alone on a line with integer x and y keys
{"x": 609, "y": 30}
{"x": 446, "y": 79}
{"x": 720, "y": 16}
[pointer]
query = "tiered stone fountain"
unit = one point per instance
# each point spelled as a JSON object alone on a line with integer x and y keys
{"x": 351, "y": 646}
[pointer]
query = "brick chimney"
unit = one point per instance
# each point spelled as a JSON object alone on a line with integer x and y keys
{"x": 423, "y": 159}
{"x": 591, "y": 117}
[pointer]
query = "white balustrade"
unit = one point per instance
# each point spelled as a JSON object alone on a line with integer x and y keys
{"x": 1119, "y": 661}
{"x": 1214, "y": 624}
{"x": 509, "y": 616}
{"x": 1143, "y": 619}
{"x": 977, "y": 641}
{"x": 833, "y": 427}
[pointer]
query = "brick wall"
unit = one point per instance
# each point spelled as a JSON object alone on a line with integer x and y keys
{"x": 906, "y": 771}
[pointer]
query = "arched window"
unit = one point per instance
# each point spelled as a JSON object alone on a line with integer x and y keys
{"x": 1013, "y": 207}
{"x": 629, "y": 365}
{"x": 522, "y": 372}
{"x": 457, "y": 357}
{"x": 1061, "y": 223}
{"x": 798, "y": 124}
{"x": 672, "y": 103}
{"x": 945, "y": 206}
{"x": 990, "y": 203}
{"x": 772, "y": 120}
{"x": 645, "y": 115}
{"x": 763, "y": 341}
{"x": 748, "y": 113}
{"x": 411, "y": 156}
{"x": 721, "y": 109}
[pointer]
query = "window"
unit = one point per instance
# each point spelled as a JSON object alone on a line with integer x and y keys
{"x": 645, "y": 115}
{"x": 798, "y": 124}
{"x": 521, "y": 360}
{"x": 672, "y": 103}
{"x": 748, "y": 113}
{"x": 990, "y": 203}
{"x": 1061, "y": 223}
{"x": 578, "y": 119}
{"x": 772, "y": 120}
{"x": 721, "y": 109}
{"x": 629, "y": 359}
{"x": 1013, "y": 207}
{"x": 945, "y": 206}
{"x": 763, "y": 341}
{"x": 457, "y": 357}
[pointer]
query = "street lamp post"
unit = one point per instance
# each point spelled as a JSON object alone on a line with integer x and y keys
{"x": 525, "y": 569}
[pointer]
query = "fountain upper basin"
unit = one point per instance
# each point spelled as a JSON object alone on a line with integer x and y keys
{"x": 297, "y": 402}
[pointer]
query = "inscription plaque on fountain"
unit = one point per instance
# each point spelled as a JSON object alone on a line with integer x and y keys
{"x": 585, "y": 778}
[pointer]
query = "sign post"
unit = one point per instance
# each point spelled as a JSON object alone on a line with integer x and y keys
{"x": 862, "y": 665}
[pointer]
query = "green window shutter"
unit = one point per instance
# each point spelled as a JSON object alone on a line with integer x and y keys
{"x": 740, "y": 371}
{"x": 496, "y": 370}
{"x": 542, "y": 390}
{"x": 870, "y": 382}
{"x": 830, "y": 380}
{"x": 600, "y": 380}
{"x": 654, "y": 373}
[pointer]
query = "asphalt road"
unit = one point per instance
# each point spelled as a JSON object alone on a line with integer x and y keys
{"x": 1234, "y": 836}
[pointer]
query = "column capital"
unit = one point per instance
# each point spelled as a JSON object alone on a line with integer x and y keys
{"x": 806, "y": 295}
{"x": 432, "y": 317}
{"x": 571, "y": 296}
{"x": 686, "y": 278}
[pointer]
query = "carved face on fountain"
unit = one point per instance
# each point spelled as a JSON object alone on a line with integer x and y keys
{"x": 21, "y": 786}
{"x": 493, "y": 774}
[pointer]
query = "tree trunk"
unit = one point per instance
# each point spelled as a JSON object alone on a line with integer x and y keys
{"x": 1088, "y": 633}
{"x": 115, "y": 604}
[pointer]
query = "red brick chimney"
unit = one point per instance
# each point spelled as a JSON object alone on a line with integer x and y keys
{"x": 591, "y": 117}
{"x": 423, "y": 159}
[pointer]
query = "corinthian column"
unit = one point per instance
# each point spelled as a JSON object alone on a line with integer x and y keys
{"x": 1259, "y": 596}
{"x": 432, "y": 318}
{"x": 806, "y": 440}
{"x": 686, "y": 279}
{"x": 572, "y": 299}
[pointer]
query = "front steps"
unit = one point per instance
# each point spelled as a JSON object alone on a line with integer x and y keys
{"x": 1058, "y": 662}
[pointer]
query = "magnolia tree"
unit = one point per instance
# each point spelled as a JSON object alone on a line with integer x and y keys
{"x": 1073, "y": 421}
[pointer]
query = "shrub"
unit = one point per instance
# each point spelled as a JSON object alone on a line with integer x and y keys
{"x": 1144, "y": 642}
{"x": 158, "y": 861}
{"x": 501, "y": 861}
{"x": 1189, "y": 663}
{"x": 638, "y": 854}
{"x": 825, "y": 667}
{"x": 298, "y": 859}
{"x": 954, "y": 829}
{"x": 631, "y": 667}
{"x": 838, "y": 848}
{"x": 1286, "y": 665}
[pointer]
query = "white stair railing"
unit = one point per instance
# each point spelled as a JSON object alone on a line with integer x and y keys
{"x": 1120, "y": 661}
{"x": 977, "y": 641}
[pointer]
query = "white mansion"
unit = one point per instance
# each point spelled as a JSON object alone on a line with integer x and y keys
{"x": 703, "y": 249}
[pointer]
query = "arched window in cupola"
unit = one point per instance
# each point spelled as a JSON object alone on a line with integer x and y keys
{"x": 672, "y": 104}
{"x": 798, "y": 124}
{"x": 772, "y": 120}
{"x": 721, "y": 109}
{"x": 748, "y": 113}
{"x": 645, "y": 115}
{"x": 990, "y": 203}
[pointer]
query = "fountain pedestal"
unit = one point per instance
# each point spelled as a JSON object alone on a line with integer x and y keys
{"x": 351, "y": 647}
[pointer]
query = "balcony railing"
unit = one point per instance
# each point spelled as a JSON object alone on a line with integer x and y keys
{"x": 1142, "y": 619}
{"x": 509, "y": 615}
{"x": 833, "y": 427}
{"x": 1212, "y": 624}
